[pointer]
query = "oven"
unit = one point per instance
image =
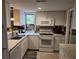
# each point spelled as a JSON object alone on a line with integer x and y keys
{"x": 46, "y": 42}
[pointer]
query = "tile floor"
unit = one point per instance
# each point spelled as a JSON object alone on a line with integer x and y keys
{"x": 31, "y": 54}
{"x": 47, "y": 55}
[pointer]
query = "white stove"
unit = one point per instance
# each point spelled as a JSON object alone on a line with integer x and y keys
{"x": 46, "y": 41}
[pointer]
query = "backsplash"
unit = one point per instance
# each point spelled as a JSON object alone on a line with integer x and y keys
{"x": 57, "y": 29}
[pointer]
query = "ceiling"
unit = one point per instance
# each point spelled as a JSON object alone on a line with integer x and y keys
{"x": 50, "y": 5}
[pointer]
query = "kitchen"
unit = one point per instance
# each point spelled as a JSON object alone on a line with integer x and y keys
{"x": 35, "y": 31}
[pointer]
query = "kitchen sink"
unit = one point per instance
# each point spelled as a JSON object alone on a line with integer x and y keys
{"x": 17, "y": 37}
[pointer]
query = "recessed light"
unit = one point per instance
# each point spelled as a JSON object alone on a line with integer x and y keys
{"x": 39, "y": 8}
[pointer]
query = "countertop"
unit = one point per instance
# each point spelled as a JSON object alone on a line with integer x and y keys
{"x": 14, "y": 42}
{"x": 29, "y": 33}
{"x": 67, "y": 51}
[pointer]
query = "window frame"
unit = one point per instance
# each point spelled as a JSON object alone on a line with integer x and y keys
{"x": 30, "y": 13}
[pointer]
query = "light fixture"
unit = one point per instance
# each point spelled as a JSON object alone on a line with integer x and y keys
{"x": 12, "y": 19}
{"x": 39, "y": 8}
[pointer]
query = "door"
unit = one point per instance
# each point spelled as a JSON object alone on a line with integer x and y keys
{"x": 71, "y": 27}
{"x": 33, "y": 42}
{"x": 24, "y": 46}
{"x": 72, "y": 34}
{"x": 46, "y": 41}
{"x": 4, "y": 33}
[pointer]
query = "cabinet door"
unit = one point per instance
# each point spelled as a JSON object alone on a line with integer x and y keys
{"x": 24, "y": 46}
{"x": 33, "y": 42}
{"x": 16, "y": 52}
{"x": 58, "y": 40}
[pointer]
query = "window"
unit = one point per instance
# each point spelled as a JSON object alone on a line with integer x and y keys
{"x": 30, "y": 19}
{"x": 30, "y": 22}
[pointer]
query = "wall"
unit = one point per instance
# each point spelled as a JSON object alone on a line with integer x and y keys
{"x": 16, "y": 16}
{"x": 5, "y": 54}
{"x": 59, "y": 17}
{"x": 73, "y": 20}
{"x": 22, "y": 17}
{"x": 74, "y": 16}
{"x": 7, "y": 6}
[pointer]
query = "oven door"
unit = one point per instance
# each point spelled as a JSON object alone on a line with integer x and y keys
{"x": 46, "y": 43}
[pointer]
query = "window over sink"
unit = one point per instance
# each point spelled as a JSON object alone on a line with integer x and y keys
{"x": 30, "y": 21}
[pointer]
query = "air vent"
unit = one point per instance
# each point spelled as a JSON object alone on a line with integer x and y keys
{"x": 41, "y": 0}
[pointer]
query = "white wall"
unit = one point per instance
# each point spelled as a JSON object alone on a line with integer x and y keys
{"x": 59, "y": 17}
{"x": 22, "y": 17}
{"x": 73, "y": 20}
{"x": 7, "y": 6}
{"x": 74, "y": 16}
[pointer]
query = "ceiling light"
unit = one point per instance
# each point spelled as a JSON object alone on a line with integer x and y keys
{"x": 39, "y": 8}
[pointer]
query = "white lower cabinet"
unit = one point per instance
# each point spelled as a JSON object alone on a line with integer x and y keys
{"x": 58, "y": 40}
{"x": 24, "y": 46}
{"x": 33, "y": 42}
{"x": 19, "y": 51}
{"x": 15, "y": 53}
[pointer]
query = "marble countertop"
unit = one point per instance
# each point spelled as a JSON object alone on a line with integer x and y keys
{"x": 29, "y": 33}
{"x": 67, "y": 51}
{"x": 12, "y": 44}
